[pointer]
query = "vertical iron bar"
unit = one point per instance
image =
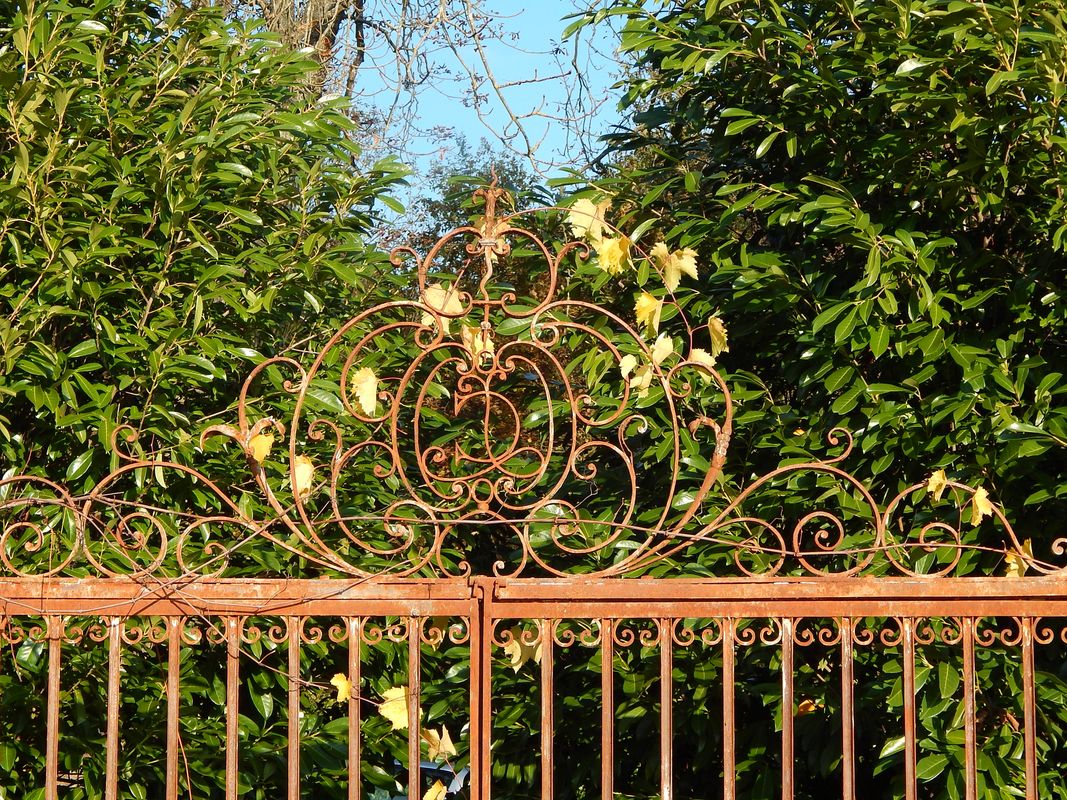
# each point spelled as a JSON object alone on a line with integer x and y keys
{"x": 293, "y": 777}
{"x": 484, "y": 644}
{"x": 607, "y": 709}
{"x": 908, "y": 636}
{"x": 477, "y": 634}
{"x": 548, "y": 701}
{"x": 848, "y": 714}
{"x": 970, "y": 758}
{"x": 114, "y": 656}
{"x": 787, "y": 709}
{"x": 666, "y": 710}
{"x": 1029, "y": 708}
{"x": 729, "y": 780}
{"x": 354, "y": 679}
{"x": 233, "y": 666}
{"x": 414, "y": 691}
{"x": 174, "y": 631}
{"x": 51, "y": 770}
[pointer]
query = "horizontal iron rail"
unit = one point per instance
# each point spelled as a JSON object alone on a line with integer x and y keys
{"x": 539, "y": 598}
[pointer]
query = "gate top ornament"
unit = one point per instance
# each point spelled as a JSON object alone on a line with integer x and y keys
{"x": 496, "y": 422}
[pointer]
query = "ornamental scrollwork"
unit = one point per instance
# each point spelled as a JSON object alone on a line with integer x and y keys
{"x": 495, "y": 419}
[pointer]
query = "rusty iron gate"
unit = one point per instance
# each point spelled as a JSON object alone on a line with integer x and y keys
{"x": 538, "y": 483}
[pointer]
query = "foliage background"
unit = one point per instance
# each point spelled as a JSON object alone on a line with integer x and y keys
{"x": 875, "y": 194}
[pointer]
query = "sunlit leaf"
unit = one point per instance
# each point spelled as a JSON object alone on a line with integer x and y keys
{"x": 936, "y": 484}
{"x": 479, "y": 342}
{"x": 519, "y": 652}
{"x": 627, "y": 364}
{"x": 439, "y": 745}
{"x": 662, "y": 349}
{"x": 648, "y": 309}
{"x": 586, "y": 219}
{"x": 673, "y": 265}
{"x": 718, "y": 336}
{"x": 642, "y": 379}
{"x": 1019, "y": 562}
{"x": 394, "y": 707}
{"x": 436, "y": 792}
{"x": 303, "y": 476}
{"x": 613, "y": 254}
{"x": 701, "y": 356}
{"x": 365, "y": 384}
{"x": 259, "y": 446}
{"x": 980, "y": 505}
{"x": 445, "y": 302}
{"x": 343, "y": 686}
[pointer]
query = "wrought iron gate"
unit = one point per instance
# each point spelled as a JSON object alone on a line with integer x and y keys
{"x": 505, "y": 491}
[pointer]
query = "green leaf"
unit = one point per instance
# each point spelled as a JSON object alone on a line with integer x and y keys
{"x": 80, "y": 465}
{"x": 929, "y": 767}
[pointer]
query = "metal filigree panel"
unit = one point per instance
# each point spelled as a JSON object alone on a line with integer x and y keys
{"x": 497, "y": 420}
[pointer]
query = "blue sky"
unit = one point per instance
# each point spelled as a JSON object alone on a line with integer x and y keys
{"x": 534, "y": 69}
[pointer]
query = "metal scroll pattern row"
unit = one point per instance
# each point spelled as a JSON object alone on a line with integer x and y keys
{"x": 567, "y": 727}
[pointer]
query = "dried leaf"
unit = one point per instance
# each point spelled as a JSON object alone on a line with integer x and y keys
{"x": 394, "y": 707}
{"x": 1019, "y": 562}
{"x": 445, "y": 302}
{"x": 718, "y": 336}
{"x": 438, "y": 744}
{"x": 648, "y": 310}
{"x": 518, "y": 652}
{"x": 436, "y": 792}
{"x": 259, "y": 446}
{"x": 613, "y": 254}
{"x": 627, "y": 364}
{"x": 303, "y": 476}
{"x": 365, "y": 384}
{"x": 586, "y": 218}
{"x": 936, "y": 484}
{"x": 662, "y": 349}
{"x": 807, "y": 706}
{"x": 343, "y": 686}
{"x": 981, "y": 506}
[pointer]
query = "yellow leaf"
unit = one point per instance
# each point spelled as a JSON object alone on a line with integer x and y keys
{"x": 613, "y": 254}
{"x": 1019, "y": 562}
{"x": 343, "y": 687}
{"x": 436, "y": 792}
{"x": 627, "y": 364}
{"x": 365, "y": 383}
{"x": 586, "y": 218}
{"x": 807, "y": 706}
{"x": 701, "y": 356}
{"x": 936, "y": 484}
{"x": 259, "y": 446}
{"x": 662, "y": 349}
{"x": 478, "y": 342}
{"x": 673, "y": 265}
{"x": 441, "y": 624}
{"x": 518, "y": 652}
{"x": 981, "y": 506}
{"x": 394, "y": 707}
{"x": 303, "y": 476}
{"x": 648, "y": 310}
{"x": 445, "y": 302}
{"x": 438, "y": 744}
{"x": 718, "y": 336}
{"x": 642, "y": 379}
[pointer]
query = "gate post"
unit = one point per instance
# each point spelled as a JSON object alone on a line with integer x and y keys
{"x": 483, "y": 589}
